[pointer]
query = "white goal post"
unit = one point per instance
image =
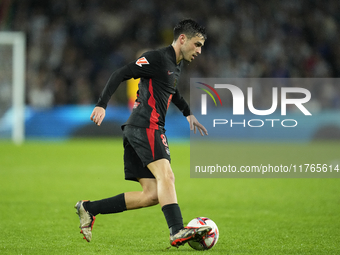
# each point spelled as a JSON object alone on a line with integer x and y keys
{"x": 18, "y": 41}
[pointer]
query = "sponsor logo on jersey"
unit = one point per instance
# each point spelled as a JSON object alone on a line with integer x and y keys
{"x": 142, "y": 61}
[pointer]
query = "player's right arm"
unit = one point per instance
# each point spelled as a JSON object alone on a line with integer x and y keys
{"x": 146, "y": 66}
{"x": 98, "y": 115}
{"x": 111, "y": 86}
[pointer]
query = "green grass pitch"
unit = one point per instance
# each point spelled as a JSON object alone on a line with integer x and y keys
{"x": 40, "y": 182}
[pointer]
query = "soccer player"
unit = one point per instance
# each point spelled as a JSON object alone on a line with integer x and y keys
{"x": 146, "y": 151}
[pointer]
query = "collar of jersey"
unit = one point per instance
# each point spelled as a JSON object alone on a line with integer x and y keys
{"x": 173, "y": 54}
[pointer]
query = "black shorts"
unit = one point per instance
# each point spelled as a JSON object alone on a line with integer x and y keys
{"x": 141, "y": 147}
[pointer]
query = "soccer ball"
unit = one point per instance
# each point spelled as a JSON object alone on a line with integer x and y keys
{"x": 210, "y": 239}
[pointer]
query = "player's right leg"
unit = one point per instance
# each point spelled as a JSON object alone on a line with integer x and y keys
{"x": 134, "y": 170}
{"x": 86, "y": 220}
{"x": 87, "y": 210}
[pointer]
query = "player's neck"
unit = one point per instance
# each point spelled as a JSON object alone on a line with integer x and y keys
{"x": 177, "y": 48}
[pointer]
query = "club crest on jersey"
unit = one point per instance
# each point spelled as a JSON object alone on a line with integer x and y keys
{"x": 142, "y": 61}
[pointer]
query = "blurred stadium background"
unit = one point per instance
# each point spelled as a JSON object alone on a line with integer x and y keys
{"x": 74, "y": 46}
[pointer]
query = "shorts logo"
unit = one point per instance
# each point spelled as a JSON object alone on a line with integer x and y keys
{"x": 163, "y": 137}
{"x": 142, "y": 61}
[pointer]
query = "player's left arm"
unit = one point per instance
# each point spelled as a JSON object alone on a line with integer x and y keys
{"x": 183, "y": 106}
{"x": 194, "y": 125}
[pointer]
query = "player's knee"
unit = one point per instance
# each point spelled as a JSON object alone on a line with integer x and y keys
{"x": 151, "y": 199}
{"x": 169, "y": 174}
{"x": 166, "y": 177}
{"x": 171, "y": 177}
{"x": 162, "y": 171}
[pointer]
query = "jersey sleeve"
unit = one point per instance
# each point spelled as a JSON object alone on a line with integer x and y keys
{"x": 146, "y": 66}
{"x": 181, "y": 104}
{"x": 111, "y": 86}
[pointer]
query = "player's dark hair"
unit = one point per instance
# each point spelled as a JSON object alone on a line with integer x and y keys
{"x": 190, "y": 28}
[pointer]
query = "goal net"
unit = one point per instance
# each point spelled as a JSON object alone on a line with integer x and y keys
{"x": 12, "y": 86}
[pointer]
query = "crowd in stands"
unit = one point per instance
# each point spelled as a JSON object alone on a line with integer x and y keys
{"x": 74, "y": 46}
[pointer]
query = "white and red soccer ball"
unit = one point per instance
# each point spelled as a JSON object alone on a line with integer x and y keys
{"x": 210, "y": 239}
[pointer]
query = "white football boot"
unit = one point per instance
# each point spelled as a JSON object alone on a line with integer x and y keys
{"x": 86, "y": 220}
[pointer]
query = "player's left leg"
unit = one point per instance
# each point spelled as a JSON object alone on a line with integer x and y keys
{"x": 165, "y": 179}
{"x": 179, "y": 234}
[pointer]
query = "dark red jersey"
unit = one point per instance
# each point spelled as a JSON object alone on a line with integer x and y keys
{"x": 159, "y": 74}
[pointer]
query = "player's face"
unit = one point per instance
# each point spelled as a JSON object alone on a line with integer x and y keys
{"x": 192, "y": 47}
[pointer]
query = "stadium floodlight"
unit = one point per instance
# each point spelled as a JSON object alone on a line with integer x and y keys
{"x": 17, "y": 41}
